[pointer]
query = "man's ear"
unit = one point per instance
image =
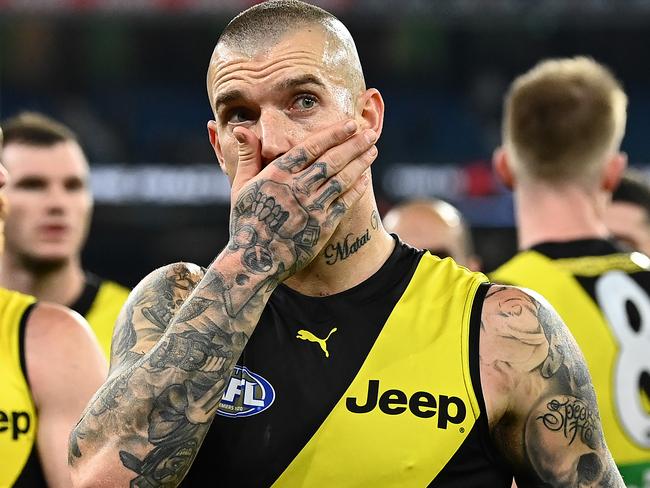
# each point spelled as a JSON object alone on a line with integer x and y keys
{"x": 372, "y": 111}
{"x": 501, "y": 165}
{"x": 214, "y": 142}
{"x": 613, "y": 171}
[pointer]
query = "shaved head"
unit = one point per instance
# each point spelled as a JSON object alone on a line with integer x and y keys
{"x": 434, "y": 225}
{"x": 255, "y": 31}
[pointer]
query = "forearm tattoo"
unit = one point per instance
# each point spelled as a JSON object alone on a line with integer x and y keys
{"x": 182, "y": 332}
{"x": 563, "y": 442}
{"x": 157, "y": 303}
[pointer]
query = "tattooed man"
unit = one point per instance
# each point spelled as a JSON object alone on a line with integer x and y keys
{"x": 563, "y": 125}
{"x": 316, "y": 350}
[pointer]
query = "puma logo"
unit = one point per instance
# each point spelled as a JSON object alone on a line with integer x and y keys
{"x": 305, "y": 335}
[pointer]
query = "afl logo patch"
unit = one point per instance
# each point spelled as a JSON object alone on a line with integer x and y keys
{"x": 246, "y": 394}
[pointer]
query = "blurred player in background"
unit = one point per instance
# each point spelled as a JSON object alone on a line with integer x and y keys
{"x": 628, "y": 216}
{"x": 50, "y": 206}
{"x": 436, "y": 226}
{"x": 50, "y": 365}
{"x": 562, "y": 129}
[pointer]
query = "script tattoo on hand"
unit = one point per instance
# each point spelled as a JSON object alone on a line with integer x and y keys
{"x": 290, "y": 162}
{"x": 316, "y": 173}
{"x": 563, "y": 443}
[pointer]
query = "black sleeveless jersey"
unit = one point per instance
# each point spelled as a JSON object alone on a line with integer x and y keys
{"x": 375, "y": 386}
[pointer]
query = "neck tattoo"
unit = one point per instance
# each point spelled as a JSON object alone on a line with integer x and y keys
{"x": 344, "y": 249}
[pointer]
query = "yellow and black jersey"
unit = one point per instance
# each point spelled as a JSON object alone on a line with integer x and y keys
{"x": 19, "y": 465}
{"x": 602, "y": 294}
{"x": 377, "y": 386}
{"x": 100, "y": 304}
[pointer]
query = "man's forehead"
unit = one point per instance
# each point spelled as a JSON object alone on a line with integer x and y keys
{"x": 288, "y": 64}
{"x": 310, "y": 37}
{"x": 304, "y": 43}
{"x": 309, "y": 50}
{"x": 65, "y": 157}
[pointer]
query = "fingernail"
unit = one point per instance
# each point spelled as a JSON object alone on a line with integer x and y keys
{"x": 370, "y": 135}
{"x": 372, "y": 151}
{"x": 350, "y": 126}
{"x": 240, "y": 137}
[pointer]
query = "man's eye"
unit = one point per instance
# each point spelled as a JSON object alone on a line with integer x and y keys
{"x": 74, "y": 184}
{"x": 305, "y": 102}
{"x": 239, "y": 116}
{"x": 31, "y": 184}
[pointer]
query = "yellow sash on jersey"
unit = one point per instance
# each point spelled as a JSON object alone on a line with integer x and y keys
{"x": 423, "y": 347}
{"x": 18, "y": 420}
{"x": 104, "y": 312}
{"x": 555, "y": 281}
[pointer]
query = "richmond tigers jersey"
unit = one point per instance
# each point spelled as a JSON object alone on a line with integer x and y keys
{"x": 377, "y": 386}
{"x": 100, "y": 304}
{"x": 19, "y": 464}
{"x": 603, "y": 296}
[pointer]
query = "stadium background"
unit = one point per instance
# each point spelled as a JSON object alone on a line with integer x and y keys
{"x": 129, "y": 78}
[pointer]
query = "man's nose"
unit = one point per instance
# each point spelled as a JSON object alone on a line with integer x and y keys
{"x": 56, "y": 199}
{"x": 274, "y": 134}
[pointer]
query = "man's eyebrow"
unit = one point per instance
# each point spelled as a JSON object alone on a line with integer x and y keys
{"x": 29, "y": 180}
{"x": 228, "y": 97}
{"x": 299, "y": 81}
{"x": 236, "y": 95}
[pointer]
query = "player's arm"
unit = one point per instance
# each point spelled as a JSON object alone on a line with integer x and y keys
{"x": 147, "y": 422}
{"x": 540, "y": 400}
{"x": 65, "y": 367}
{"x": 148, "y": 311}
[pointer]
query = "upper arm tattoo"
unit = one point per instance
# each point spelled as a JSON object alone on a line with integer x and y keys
{"x": 552, "y": 429}
{"x": 149, "y": 310}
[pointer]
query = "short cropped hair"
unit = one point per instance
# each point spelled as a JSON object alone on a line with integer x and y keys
{"x": 634, "y": 189}
{"x": 562, "y": 118}
{"x": 268, "y": 21}
{"x": 263, "y": 25}
{"x": 36, "y": 129}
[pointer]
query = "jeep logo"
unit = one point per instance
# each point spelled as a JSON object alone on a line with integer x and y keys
{"x": 421, "y": 404}
{"x": 16, "y": 423}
